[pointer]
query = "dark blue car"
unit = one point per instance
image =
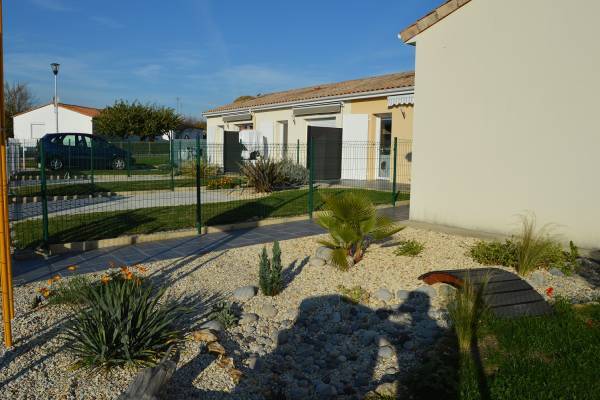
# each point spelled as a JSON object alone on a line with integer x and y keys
{"x": 78, "y": 150}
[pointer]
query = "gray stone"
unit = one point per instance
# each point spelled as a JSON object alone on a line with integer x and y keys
{"x": 248, "y": 319}
{"x": 324, "y": 253}
{"x": 316, "y": 262}
{"x": 388, "y": 389}
{"x": 556, "y": 272}
{"x": 385, "y": 352}
{"x": 383, "y": 294}
{"x": 251, "y": 362}
{"x": 267, "y": 311}
{"x": 245, "y": 293}
{"x": 391, "y": 371}
{"x": 382, "y": 342}
{"x": 213, "y": 324}
{"x": 402, "y": 295}
{"x": 325, "y": 391}
{"x": 428, "y": 290}
{"x": 537, "y": 278}
{"x": 445, "y": 290}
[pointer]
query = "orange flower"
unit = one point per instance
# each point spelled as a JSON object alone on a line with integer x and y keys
{"x": 44, "y": 291}
{"x": 128, "y": 275}
{"x": 105, "y": 279}
{"x": 550, "y": 291}
{"x": 50, "y": 281}
{"x": 72, "y": 267}
{"x": 56, "y": 278}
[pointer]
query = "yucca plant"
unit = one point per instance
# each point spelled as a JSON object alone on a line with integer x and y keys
{"x": 534, "y": 246}
{"x": 224, "y": 312}
{"x": 269, "y": 271}
{"x": 466, "y": 309}
{"x": 262, "y": 174}
{"x": 123, "y": 325}
{"x": 352, "y": 222}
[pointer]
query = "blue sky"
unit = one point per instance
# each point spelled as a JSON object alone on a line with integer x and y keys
{"x": 204, "y": 52}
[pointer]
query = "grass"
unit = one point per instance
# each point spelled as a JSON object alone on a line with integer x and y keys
{"x": 411, "y": 248}
{"x": 103, "y": 225}
{"x": 354, "y": 295}
{"x": 88, "y": 188}
{"x": 553, "y": 356}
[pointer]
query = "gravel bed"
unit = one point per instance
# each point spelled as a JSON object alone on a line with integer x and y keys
{"x": 306, "y": 342}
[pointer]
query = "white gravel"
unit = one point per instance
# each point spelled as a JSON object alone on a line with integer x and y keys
{"x": 38, "y": 366}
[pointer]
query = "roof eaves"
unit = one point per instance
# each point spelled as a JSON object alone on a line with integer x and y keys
{"x": 431, "y": 19}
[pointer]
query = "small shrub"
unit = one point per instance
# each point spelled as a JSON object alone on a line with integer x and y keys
{"x": 495, "y": 253}
{"x": 262, "y": 174}
{"x": 123, "y": 325}
{"x": 221, "y": 183}
{"x": 354, "y": 295}
{"x": 353, "y": 223}
{"x": 72, "y": 291}
{"x": 207, "y": 170}
{"x": 224, "y": 313}
{"x": 465, "y": 310}
{"x": 292, "y": 174}
{"x": 269, "y": 272}
{"x": 410, "y": 248}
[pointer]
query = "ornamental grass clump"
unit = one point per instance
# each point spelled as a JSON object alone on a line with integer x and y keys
{"x": 352, "y": 223}
{"x": 465, "y": 310}
{"x": 123, "y": 324}
{"x": 269, "y": 272}
{"x": 262, "y": 174}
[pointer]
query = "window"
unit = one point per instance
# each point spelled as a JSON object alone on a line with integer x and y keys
{"x": 68, "y": 140}
{"x": 385, "y": 135}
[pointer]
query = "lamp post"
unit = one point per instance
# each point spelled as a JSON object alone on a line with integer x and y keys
{"x": 54, "y": 67}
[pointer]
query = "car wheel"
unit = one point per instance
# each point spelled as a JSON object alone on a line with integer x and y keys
{"x": 55, "y": 163}
{"x": 118, "y": 163}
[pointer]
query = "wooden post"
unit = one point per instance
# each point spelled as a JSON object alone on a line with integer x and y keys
{"x": 5, "y": 258}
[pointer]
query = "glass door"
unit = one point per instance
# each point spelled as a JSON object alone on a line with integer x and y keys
{"x": 385, "y": 143}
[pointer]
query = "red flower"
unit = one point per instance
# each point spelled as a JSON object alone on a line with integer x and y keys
{"x": 549, "y": 291}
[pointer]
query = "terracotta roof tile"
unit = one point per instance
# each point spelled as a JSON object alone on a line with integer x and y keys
{"x": 432, "y": 18}
{"x": 365, "y": 85}
{"x": 89, "y": 111}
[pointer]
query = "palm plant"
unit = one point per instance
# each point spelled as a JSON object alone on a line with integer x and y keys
{"x": 352, "y": 223}
{"x": 262, "y": 174}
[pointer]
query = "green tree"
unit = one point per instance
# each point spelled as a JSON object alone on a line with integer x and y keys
{"x": 17, "y": 98}
{"x": 124, "y": 119}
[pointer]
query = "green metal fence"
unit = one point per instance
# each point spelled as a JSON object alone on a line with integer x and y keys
{"x": 77, "y": 189}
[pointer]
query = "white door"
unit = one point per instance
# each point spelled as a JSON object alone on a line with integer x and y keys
{"x": 37, "y": 130}
{"x": 355, "y": 134}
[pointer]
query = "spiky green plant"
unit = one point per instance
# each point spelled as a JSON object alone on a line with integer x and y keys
{"x": 73, "y": 291}
{"x": 224, "y": 313}
{"x": 411, "y": 248}
{"x": 354, "y": 294}
{"x": 352, "y": 222}
{"x": 533, "y": 245}
{"x": 466, "y": 309}
{"x": 261, "y": 174}
{"x": 123, "y": 325}
{"x": 269, "y": 271}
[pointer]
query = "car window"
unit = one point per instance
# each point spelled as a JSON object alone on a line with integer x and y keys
{"x": 68, "y": 140}
{"x": 83, "y": 141}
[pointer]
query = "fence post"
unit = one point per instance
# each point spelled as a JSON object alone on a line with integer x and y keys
{"x": 311, "y": 178}
{"x": 395, "y": 154}
{"x": 92, "y": 160}
{"x": 198, "y": 186}
{"x": 129, "y": 158}
{"x": 44, "y": 193}
{"x": 172, "y": 162}
{"x": 298, "y": 152}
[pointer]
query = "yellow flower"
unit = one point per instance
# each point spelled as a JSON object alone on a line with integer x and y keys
{"x": 105, "y": 279}
{"x": 44, "y": 291}
{"x": 72, "y": 267}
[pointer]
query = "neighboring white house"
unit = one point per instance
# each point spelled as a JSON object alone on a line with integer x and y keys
{"x": 506, "y": 118}
{"x": 35, "y": 123}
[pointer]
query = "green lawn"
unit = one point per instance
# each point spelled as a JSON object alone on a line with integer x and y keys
{"x": 101, "y": 225}
{"x": 550, "y": 357}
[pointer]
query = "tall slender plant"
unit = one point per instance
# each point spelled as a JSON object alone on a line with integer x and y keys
{"x": 533, "y": 245}
{"x": 352, "y": 222}
{"x": 269, "y": 272}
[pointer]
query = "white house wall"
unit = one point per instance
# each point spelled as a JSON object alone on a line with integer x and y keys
{"x": 506, "y": 117}
{"x": 43, "y": 121}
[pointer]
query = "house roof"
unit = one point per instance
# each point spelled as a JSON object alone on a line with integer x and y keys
{"x": 356, "y": 86}
{"x": 431, "y": 19}
{"x": 89, "y": 111}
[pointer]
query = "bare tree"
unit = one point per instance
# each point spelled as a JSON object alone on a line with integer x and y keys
{"x": 17, "y": 98}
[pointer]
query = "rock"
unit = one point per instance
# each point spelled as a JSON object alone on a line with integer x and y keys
{"x": 324, "y": 253}
{"x": 388, "y": 389}
{"x": 428, "y": 290}
{"x": 251, "y": 362}
{"x": 216, "y": 348}
{"x": 556, "y": 272}
{"x": 402, "y": 295}
{"x": 325, "y": 391}
{"x": 204, "y": 335}
{"x": 382, "y": 342}
{"x": 336, "y": 317}
{"x": 268, "y": 311}
{"x": 537, "y": 278}
{"x": 391, "y": 371}
{"x": 383, "y": 294}
{"x": 385, "y": 352}
{"x": 245, "y": 293}
{"x": 445, "y": 290}
{"x": 248, "y": 318}
{"x": 212, "y": 325}
{"x": 316, "y": 262}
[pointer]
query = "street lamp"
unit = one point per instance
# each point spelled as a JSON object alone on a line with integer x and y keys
{"x": 54, "y": 67}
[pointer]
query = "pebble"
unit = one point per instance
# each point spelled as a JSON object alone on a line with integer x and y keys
{"x": 267, "y": 311}
{"x": 556, "y": 272}
{"x": 383, "y": 294}
{"x": 324, "y": 253}
{"x": 428, "y": 290}
{"x": 213, "y": 325}
{"x": 537, "y": 278}
{"x": 316, "y": 262}
{"x": 402, "y": 295}
{"x": 245, "y": 293}
{"x": 385, "y": 352}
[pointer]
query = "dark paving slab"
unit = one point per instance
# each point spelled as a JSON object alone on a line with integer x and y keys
{"x": 25, "y": 271}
